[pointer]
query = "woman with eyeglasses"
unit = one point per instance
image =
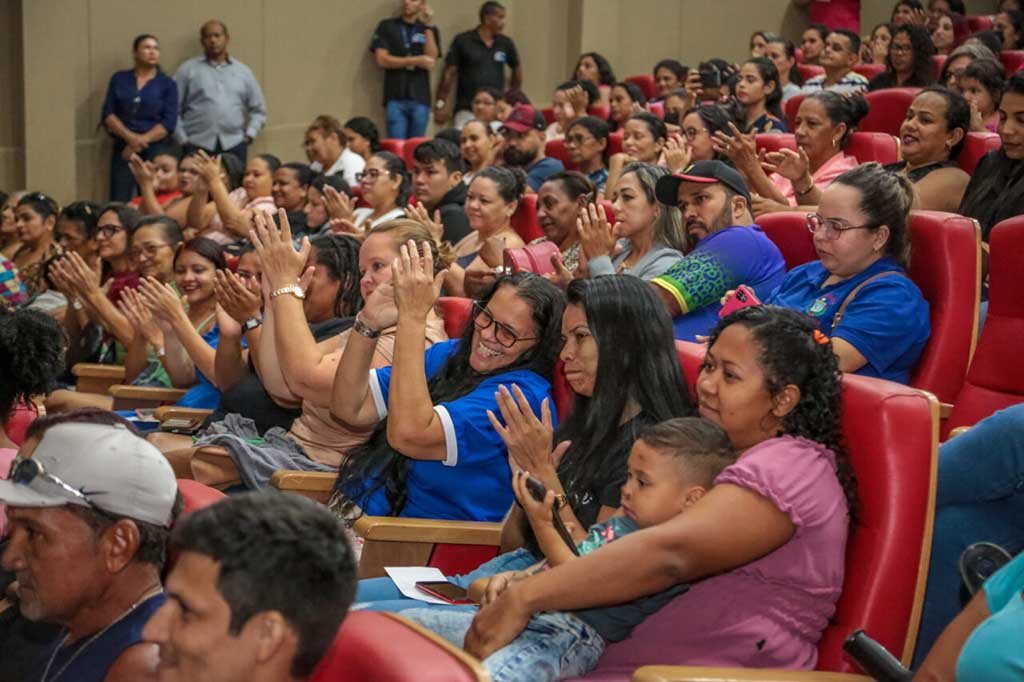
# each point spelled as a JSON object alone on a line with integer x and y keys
{"x": 32, "y": 346}
{"x": 387, "y": 187}
{"x": 586, "y": 141}
{"x": 909, "y": 63}
{"x": 433, "y": 452}
{"x": 858, "y": 291}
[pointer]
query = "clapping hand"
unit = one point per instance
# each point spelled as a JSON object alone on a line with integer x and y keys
{"x": 789, "y": 163}
{"x": 420, "y": 214}
{"x": 338, "y": 204}
{"x": 141, "y": 318}
{"x": 740, "y": 148}
{"x": 415, "y": 284}
{"x": 142, "y": 170}
{"x": 162, "y": 300}
{"x": 678, "y": 153}
{"x": 238, "y": 301}
{"x": 597, "y": 237}
{"x": 282, "y": 264}
{"x": 528, "y": 439}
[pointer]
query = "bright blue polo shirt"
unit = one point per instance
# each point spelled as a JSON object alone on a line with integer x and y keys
{"x": 887, "y": 322}
{"x": 993, "y": 653}
{"x": 473, "y": 482}
{"x": 721, "y": 261}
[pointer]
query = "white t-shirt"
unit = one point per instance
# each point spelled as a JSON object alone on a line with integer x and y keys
{"x": 348, "y": 164}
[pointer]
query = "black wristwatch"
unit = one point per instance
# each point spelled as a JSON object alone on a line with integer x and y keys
{"x": 252, "y": 323}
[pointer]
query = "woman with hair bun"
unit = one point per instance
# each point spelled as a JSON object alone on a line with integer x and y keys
{"x": 824, "y": 123}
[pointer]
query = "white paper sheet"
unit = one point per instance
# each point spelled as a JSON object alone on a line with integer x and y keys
{"x": 406, "y": 577}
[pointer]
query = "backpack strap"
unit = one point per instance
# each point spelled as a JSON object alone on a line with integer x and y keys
{"x": 837, "y": 318}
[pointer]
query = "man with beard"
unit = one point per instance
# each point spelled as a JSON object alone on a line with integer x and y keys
{"x": 729, "y": 249}
{"x": 524, "y": 137}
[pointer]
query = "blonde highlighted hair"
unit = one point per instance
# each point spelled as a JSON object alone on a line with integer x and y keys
{"x": 404, "y": 229}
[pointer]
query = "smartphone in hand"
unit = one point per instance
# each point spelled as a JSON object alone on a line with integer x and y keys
{"x": 538, "y": 492}
{"x": 743, "y": 297}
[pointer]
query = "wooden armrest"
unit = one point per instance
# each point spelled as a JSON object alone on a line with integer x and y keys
{"x": 315, "y": 485}
{"x": 394, "y": 529}
{"x": 90, "y": 369}
{"x": 174, "y": 412}
{"x": 147, "y": 393}
{"x": 945, "y": 409}
{"x": 669, "y": 673}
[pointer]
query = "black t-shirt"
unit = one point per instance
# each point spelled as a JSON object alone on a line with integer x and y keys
{"x": 404, "y": 40}
{"x": 480, "y": 66}
{"x": 453, "y": 214}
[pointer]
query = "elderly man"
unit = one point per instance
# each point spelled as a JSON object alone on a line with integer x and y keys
{"x": 261, "y": 585}
{"x": 90, "y": 507}
{"x": 222, "y": 105}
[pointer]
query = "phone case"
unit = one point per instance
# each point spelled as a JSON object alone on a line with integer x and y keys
{"x": 743, "y": 297}
{"x": 533, "y": 258}
{"x": 434, "y": 593}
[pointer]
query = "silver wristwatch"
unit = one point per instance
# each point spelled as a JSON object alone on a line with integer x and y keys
{"x": 293, "y": 289}
{"x": 252, "y": 323}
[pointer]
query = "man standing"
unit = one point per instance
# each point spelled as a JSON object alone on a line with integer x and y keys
{"x": 90, "y": 506}
{"x": 222, "y": 105}
{"x": 406, "y": 47}
{"x": 437, "y": 184}
{"x": 841, "y": 53}
{"x": 524, "y": 137}
{"x": 262, "y": 582}
{"x": 478, "y": 59}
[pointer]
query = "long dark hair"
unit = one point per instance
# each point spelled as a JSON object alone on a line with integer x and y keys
{"x": 637, "y": 366}
{"x": 604, "y": 70}
{"x": 790, "y": 354}
{"x": 377, "y": 465}
{"x": 795, "y": 77}
{"x": 769, "y": 73}
{"x": 922, "y": 48}
{"x": 340, "y": 255}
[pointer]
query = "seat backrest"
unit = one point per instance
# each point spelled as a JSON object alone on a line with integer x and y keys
{"x": 1012, "y": 61}
{"x": 455, "y": 311}
{"x": 657, "y": 108}
{"x": 646, "y": 84}
{"x": 996, "y": 377}
{"x": 195, "y": 495}
{"x": 524, "y": 220}
{"x": 549, "y": 115}
{"x": 869, "y": 71}
{"x": 556, "y": 149}
{"x": 938, "y": 61}
{"x": 409, "y": 148}
{"x": 809, "y": 71}
{"x": 366, "y": 645}
{"x": 773, "y": 142}
{"x": 891, "y": 435}
{"x": 614, "y": 142}
{"x": 946, "y": 266}
{"x": 976, "y": 145}
{"x": 600, "y": 111}
{"x": 868, "y": 146}
{"x": 19, "y": 420}
{"x": 979, "y": 22}
{"x": 792, "y": 106}
{"x": 788, "y": 231}
{"x": 887, "y": 109}
{"x": 393, "y": 145}
{"x": 609, "y": 210}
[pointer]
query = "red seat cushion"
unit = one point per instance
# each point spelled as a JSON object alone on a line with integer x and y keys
{"x": 788, "y": 231}
{"x": 390, "y": 144}
{"x": 524, "y": 220}
{"x": 976, "y": 145}
{"x": 646, "y": 84}
{"x": 409, "y": 147}
{"x": 456, "y": 312}
{"x": 809, "y": 71}
{"x": 979, "y": 23}
{"x": 887, "y": 110}
{"x": 1012, "y": 60}
{"x": 869, "y": 71}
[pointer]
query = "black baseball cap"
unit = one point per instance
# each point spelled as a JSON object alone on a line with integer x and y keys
{"x": 704, "y": 172}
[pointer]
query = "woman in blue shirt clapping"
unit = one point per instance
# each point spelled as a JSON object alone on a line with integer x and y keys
{"x": 140, "y": 111}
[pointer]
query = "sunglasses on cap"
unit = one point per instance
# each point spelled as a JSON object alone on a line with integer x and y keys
{"x": 26, "y": 470}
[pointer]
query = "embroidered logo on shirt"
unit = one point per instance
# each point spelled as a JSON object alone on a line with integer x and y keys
{"x": 819, "y": 307}
{"x": 499, "y": 56}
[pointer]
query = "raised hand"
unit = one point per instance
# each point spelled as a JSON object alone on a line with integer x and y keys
{"x": 282, "y": 263}
{"x": 597, "y": 237}
{"x": 237, "y": 300}
{"x": 789, "y": 163}
{"x": 162, "y": 300}
{"x": 141, "y": 317}
{"x": 142, "y": 170}
{"x": 529, "y": 440}
{"x": 420, "y": 214}
{"x": 207, "y": 166}
{"x": 740, "y": 148}
{"x": 678, "y": 153}
{"x": 416, "y": 286}
{"x": 338, "y": 204}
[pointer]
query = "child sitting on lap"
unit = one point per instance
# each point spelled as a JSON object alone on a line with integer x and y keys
{"x": 671, "y": 466}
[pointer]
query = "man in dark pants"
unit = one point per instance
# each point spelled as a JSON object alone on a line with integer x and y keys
{"x": 407, "y": 47}
{"x": 478, "y": 59}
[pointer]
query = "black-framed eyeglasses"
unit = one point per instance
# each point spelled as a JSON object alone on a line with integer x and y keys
{"x": 26, "y": 470}
{"x": 502, "y": 332}
{"x": 108, "y": 231}
{"x": 692, "y": 134}
{"x": 834, "y": 228}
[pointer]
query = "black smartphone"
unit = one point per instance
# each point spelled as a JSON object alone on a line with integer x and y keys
{"x": 442, "y": 589}
{"x": 710, "y": 77}
{"x": 538, "y": 491}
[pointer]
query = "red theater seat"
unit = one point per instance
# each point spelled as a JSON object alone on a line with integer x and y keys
{"x": 599, "y": 111}
{"x": 946, "y": 266}
{"x": 556, "y": 149}
{"x": 792, "y": 106}
{"x": 869, "y": 71}
{"x": 384, "y": 647}
{"x": 887, "y": 110}
{"x": 195, "y": 495}
{"x": 889, "y": 431}
{"x": 809, "y": 71}
{"x": 995, "y": 378}
{"x": 938, "y": 61}
{"x": 524, "y": 220}
{"x": 646, "y": 84}
{"x": 788, "y": 231}
{"x": 409, "y": 148}
{"x": 1012, "y": 60}
{"x": 549, "y": 115}
{"x": 657, "y": 108}
{"x": 614, "y": 142}
{"x": 390, "y": 144}
{"x": 456, "y": 312}
{"x": 976, "y": 146}
{"x": 979, "y": 22}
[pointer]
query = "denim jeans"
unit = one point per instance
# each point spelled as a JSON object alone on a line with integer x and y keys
{"x": 241, "y": 150}
{"x": 980, "y": 498}
{"x": 380, "y": 594}
{"x": 553, "y": 646}
{"x": 406, "y": 118}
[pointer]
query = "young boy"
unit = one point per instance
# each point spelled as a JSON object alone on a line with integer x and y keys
{"x": 671, "y": 466}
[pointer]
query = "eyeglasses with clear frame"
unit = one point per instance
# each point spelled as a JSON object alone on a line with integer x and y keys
{"x": 834, "y": 228}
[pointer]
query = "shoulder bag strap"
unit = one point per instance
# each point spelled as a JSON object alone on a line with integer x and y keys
{"x": 837, "y": 318}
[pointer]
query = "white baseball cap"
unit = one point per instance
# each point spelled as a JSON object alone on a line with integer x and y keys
{"x": 115, "y": 470}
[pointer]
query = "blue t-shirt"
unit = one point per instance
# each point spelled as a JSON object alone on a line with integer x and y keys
{"x": 993, "y": 651}
{"x": 887, "y": 322}
{"x": 140, "y": 110}
{"x": 541, "y": 171}
{"x": 722, "y": 261}
{"x": 473, "y": 482}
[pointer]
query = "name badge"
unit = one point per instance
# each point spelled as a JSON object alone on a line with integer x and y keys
{"x": 419, "y": 38}
{"x": 499, "y": 56}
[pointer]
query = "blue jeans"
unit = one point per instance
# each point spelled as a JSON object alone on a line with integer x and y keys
{"x": 553, "y": 646}
{"x": 406, "y": 118}
{"x": 980, "y": 498}
{"x": 380, "y": 594}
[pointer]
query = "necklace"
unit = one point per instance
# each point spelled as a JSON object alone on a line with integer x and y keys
{"x": 89, "y": 642}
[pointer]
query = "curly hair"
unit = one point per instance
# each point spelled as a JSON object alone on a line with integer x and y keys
{"x": 32, "y": 348}
{"x": 790, "y": 354}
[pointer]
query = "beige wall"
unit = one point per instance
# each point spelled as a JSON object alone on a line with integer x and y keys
{"x": 311, "y": 57}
